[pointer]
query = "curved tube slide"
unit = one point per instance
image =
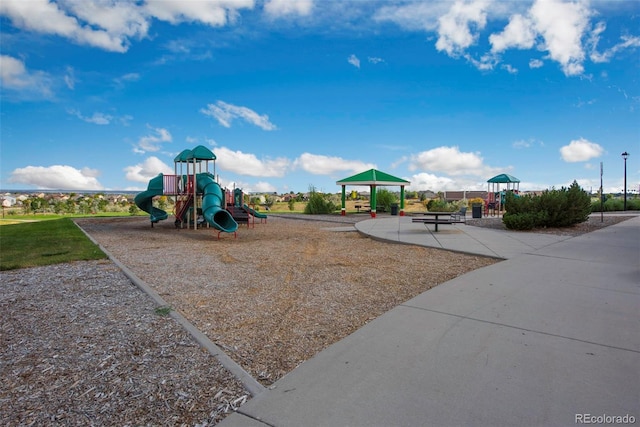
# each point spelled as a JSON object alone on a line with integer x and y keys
{"x": 213, "y": 204}
{"x": 144, "y": 200}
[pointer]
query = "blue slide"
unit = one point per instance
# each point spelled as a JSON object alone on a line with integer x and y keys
{"x": 212, "y": 204}
{"x": 144, "y": 200}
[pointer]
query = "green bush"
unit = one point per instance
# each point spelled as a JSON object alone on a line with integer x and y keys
{"x": 520, "y": 221}
{"x": 616, "y": 204}
{"x": 386, "y": 198}
{"x": 437, "y": 205}
{"x": 553, "y": 208}
{"x": 318, "y": 204}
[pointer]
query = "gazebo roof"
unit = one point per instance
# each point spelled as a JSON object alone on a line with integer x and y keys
{"x": 503, "y": 178}
{"x": 372, "y": 177}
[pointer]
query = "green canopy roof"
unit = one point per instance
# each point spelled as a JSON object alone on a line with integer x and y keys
{"x": 372, "y": 177}
{"x": 503, "y": 178}
{"x": 199, "y": 153}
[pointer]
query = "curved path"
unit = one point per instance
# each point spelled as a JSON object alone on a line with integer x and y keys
{"x": 551, "y": 336}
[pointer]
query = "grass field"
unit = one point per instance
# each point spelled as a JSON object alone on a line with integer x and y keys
{"x": 44, "y": 242}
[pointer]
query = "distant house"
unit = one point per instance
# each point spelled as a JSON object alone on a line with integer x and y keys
{"x": 7, "y": 200}
{"x": 454, "y": 196}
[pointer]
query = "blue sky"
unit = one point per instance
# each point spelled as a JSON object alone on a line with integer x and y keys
{"x": 102, "y": 95}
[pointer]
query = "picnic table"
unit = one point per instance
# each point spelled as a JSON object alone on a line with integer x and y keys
{"x": 435, "y": 218}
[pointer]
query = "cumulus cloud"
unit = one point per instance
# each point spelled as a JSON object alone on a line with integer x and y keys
{"x": 57, "y": 177}
{"x": 449, "y": 160}
{"x": 143, "y": 172}
{"x": 518, "y": 33}
{"x": 215, "y": 13}
{"x": 15, "y": 76}
{"x": 426, "y": 181}
{"x": 111, "y": 25}
{"x": 225, "y": 113}
{"x": 327, "y": 165}
{"x": 249, "y": 164}
{"x": 282, "y": 8}
{"x": 562, "y": 26}
{"x": 455, "y": 27}
{"x": 353, "y": 60}
{"x": 580, "y": 150}
{"x": 153, "y": 141}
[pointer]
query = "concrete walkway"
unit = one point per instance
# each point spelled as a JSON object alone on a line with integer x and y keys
{"x": 550, "y": 336}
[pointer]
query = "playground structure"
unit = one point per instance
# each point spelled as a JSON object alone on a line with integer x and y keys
{"x": 199, "y": 199}
{"x": 494, "y": 204}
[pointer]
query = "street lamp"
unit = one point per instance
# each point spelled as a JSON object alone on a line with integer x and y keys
{"x": 624, "y": 156}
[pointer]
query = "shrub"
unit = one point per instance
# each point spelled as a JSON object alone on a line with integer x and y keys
{"x": 520, "y": 221}
{"x": 386, "y": 198}
{"x": 553, "y": 208}
{"x": 318, "y": 204}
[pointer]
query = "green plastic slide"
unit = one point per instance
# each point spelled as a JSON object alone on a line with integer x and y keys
{"x": 213, "y": 204}
{"x": 254, "y": 212}
{"x": 144, "y": 200}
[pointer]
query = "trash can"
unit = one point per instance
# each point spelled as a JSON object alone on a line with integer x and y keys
{"x": 394, "y": 209}
{"x": 476, "y": 211}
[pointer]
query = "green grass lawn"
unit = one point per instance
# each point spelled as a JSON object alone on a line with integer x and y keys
{"x": 53, "y": 241}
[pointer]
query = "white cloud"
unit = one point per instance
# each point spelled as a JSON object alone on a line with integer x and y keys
{"x": 414, "y": 16}
{"x": 518, "y": 33}
{"x": 353, "y": 60}
{"x": 215, "y": 13}
{"x": 225, "y": 113}
{"x": 449, "y": 160}
{"x": 580, "y": 150}
{"x": 15, "y": 76}
{"x": 454, "y": 27}
{"x": 627, "y": 42}
{"x": 248, "y": 164}
{"x": 119, "y": 82}
{"x": 260, "y": 187}
{"x": 280, "y": 8}
{"x": 57, "y": 177}
{"x": 152, "y": 142}
{"x": 374, "y": 60}
{"x": 110, "y": 25}
{"x": 426, "y": 181}
{"x": 48, "y": 17}
{"x": 535, "y": 63}
{"x": 509, "y": 68}
{"x": 70, "y": 78}
{"x": 329, "y": 165}
{"x": 97, "y": 118}
{"x": 143, "y": 172}
{"x": 527, "y": 143}
{"x": 562, "y": 26}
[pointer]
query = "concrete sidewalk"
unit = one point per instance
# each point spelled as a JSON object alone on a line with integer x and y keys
{"x": 551, "y": 334}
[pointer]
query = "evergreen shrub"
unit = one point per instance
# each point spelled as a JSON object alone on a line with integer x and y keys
{"x": 553, "y": 208}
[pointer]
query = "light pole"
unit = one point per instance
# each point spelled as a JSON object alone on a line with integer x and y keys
{"x": 624, "y": 156}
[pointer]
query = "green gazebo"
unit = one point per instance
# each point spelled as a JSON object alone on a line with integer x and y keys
{"x": 373, "y": 178}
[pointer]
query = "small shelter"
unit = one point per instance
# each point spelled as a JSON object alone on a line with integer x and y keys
{"x": 495, "y": 196}
{"x": 372, "y": 178}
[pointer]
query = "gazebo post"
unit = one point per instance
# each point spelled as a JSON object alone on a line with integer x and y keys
{"x": 402, "y": 200}
{"x": 343, "y": 211}
{"x": 372, "y": 201}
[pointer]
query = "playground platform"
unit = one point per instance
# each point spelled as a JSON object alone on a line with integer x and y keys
{"x": 547, "y": 337}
